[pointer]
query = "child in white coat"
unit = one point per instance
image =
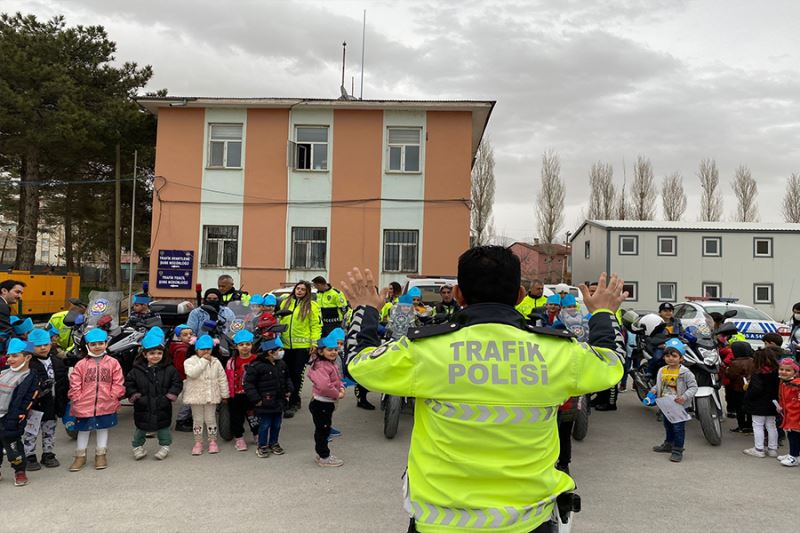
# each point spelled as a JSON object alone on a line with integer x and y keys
{"x": 205, "y": 387}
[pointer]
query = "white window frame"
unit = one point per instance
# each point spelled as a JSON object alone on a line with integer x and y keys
{"x": 671, "y": 284}
{"x": 587, "y": 249}
{"x": 219, "y": 261}
{"x": 225, "y": 144}
{"x": 403, "y": 250}
{"x": 718, "y": 240}
{"x": 770, "y": 286}
{"x": 308, "y": 245}
{"x": 635, "y": 239}
{"x": 633, "y": 295}
{"x": 295, "y": 147}
{"x": 756, "y": 240}
{"x": 716, "y": 284}
{"x": 402, "y": 147}
{"x": 668, "y": 238}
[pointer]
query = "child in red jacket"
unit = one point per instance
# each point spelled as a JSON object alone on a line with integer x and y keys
{"x": 180, "y": 349}
{"x": 327, "y": 389}
{"x": 789, "y": 398}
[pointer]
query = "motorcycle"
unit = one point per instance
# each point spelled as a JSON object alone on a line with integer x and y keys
{"x": 642, "y": 381}
{"x": 402, "y": 318}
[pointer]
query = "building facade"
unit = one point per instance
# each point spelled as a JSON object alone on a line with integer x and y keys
{"x": 272, "y": 191}
{"x": 668, "y": 261}
{"x": 543, "y": 261}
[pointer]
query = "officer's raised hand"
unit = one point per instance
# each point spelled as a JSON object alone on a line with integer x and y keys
{"x": 607, "y": 296}
{"x": 360, "y": 289}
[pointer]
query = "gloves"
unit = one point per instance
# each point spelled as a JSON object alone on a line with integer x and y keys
{"x": 650, "y": 399}
{"x": 171, "y": 397}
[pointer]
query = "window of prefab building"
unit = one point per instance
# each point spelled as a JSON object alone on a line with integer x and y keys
{"x": 309, "y": 248}
{"x": 310, "y": 148}
{"x": 762, "y": 293}
{"x": 712, "y": 289}
{"x": 400, "y": 250}
{"x": 404, "y": 149}
{"x": 628, "y": 245}
{"x": 762, "y": 247}
{"x": 667, "y": 246}
{"x": 632, "y": 288}
{"x": 712, "y": 246}
{"x": 587, "y": 249}
{"x": 225, "y": 146}
{"x": 667, "y": 291}
{"x": 220, "y": 246}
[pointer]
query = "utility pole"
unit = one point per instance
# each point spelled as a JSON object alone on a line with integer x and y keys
{"x": 133, "y": 218}
{"x": 116, "y": 273}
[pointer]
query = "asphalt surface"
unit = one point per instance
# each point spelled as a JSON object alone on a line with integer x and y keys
{"x": 624, "y": 486}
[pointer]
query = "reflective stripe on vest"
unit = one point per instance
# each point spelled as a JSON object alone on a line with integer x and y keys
{"x": 489, "y": 517}
{"x": 493, "y": 414}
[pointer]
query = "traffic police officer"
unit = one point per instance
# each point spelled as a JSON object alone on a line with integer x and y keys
{"x": 488, "y": 386}
{"x": 332, "y": 305}
{"x": 534, "y": 299}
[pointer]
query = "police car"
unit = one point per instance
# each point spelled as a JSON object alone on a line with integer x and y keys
{"x": 750, "y": 322}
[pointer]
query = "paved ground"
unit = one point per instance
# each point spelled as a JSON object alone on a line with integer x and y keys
{"x": 624, "y": 486}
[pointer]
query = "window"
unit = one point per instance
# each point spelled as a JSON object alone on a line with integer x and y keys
{"x": 685, "y": 311}
{"x": 667, "y": 246}
{"x": 220, "y": 246}
{"x": 310, "y": 149}
{"x": 309, "y": 247}
{"x": 742, "y": 312}
{"x": 628, "y": 245}
{"x": 762, "y": 293}
{"x": 667, "y": 291}
{"x": 404, "y": 149}
{"x": 632, "y": 288}
{"x": 712, "y": 289}
{"x": 400, "y": 250}
{"x": 762, "y": 247}
{"x": 712, "y": 246}
{"x": 225, "y": 146}
{"x": 587, "y": 251}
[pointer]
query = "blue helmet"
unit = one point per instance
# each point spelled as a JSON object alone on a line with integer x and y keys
{"x": 243, "y": 336}
{"x": 554, "y": 299}
{"x": 270, "y": 344}
{"x": 405, "y": 299}
{"x": 331, "y": 341}
{"x": 270, "y": 299}
{"x": 204, "y": 342}
{"x": 568, "y": 301}
{"x": 22, "y": 327}
{"x": 414, "y": 292}
{"x": 52, "y": 330}
{"x": 676, "y": 344}
{"x": 179, "y": 328}
{"x": 96, "y": 335}
{"x": 18, "y": 346}
{"x": 154, "y": 338}
{"x": 38, "y": 337}
{"x": 141, "y": 299}
{"x": 257, "y": 299}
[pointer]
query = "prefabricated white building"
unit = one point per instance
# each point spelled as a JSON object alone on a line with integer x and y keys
{"x": 759, "y": 263}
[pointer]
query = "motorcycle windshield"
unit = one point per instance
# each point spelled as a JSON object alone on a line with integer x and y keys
{"x": 244, "y": 318}
{"x": 103, "y": 303}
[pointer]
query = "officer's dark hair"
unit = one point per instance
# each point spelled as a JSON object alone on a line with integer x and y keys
{"x": 489, "y": 274}
{"x": 10, "y": 284}
{"x": 319, "y": 279}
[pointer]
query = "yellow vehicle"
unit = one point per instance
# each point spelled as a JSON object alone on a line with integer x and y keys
{"x": 44, "y": 294}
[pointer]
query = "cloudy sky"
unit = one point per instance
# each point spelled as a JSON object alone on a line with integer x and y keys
{"x": 675, "y": 81}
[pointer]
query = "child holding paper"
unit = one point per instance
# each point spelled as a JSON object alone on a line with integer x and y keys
{"x": 677, "y": 381}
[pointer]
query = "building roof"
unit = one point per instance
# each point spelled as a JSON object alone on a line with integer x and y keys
{"x": 481, "y": 109}
{"x": 724, "y": 227}
{"x": 545, "y": 248}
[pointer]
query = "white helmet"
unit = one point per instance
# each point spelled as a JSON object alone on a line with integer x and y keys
{"x": 562, "y": 287}
{"x": 649, "y": 323}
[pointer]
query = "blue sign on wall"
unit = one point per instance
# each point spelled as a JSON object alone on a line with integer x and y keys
{"x": 175, "y": 269}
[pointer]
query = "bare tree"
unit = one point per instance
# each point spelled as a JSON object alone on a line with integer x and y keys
{"x": 710, "y": 199}
{"x": 482, "y": 193}
{"x": 602, "y": 193}
{"x": 746, "y": 191}
{"x": 673, "y": 199}
{"x": 791, "y": 199}
{"x": 643, "y": 190}
{"x": 550, "y": 205}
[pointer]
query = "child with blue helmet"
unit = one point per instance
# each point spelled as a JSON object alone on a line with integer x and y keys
{"x": 328, "y": 389}
{"x": 239, "y": 406}
{"x": 18, "y": 388}
{"x": 205, "y": 387}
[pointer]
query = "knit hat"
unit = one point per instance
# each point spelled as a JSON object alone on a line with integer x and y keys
{"x": 270, "y": 344}
{"x": 154, "y": 338}
{"x": 21, "y": 327}
{"x": 204, "y": 343}
{"x": 18, "y": 346}
{"x": 270, "y": 299}
{"x": 554, "y": 299}
{"x": 96, "y": 335}
{"x": 786, "y": 361}
{"x": 742, "y": 349}
{"x": 676, "y": 344}
{"x": 243, "y": 336}
{"x": 257, "y": 299}
{"x": 38, "y": 337}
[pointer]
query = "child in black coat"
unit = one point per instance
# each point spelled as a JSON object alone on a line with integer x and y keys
{"x": 268, "y": 387}
{"x": 51, "y": 374}
{"x": 151, "y": 386}
{"x": 760, "y": 400}
{"x": 18, "y": 388}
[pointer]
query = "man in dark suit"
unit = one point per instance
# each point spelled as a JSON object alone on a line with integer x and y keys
{"x": 10, "y": 292}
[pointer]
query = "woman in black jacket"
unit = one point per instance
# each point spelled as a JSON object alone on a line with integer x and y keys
{"x": 151, "y": 386}
{"x": 268, "y": 387}
{"x": 759, "y": 401}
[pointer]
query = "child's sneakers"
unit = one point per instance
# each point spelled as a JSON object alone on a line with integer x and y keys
{"x": 754, "y": 452}
{"x": 677, "y": 455}
{"x": 32, "y": 464}
{"x": 240, "y": 445}
{"x": 197, "y": 449}
{"x": 276, "y": 449}
{"x": 782, "y": 457}
{"x": 664, "y": 447}
{"x": 790, "y": 461}
{"x": 139, "y": 453}
{"x": 162, "y": 453}
{"x": 331, "y": 460}
{"x": 20, "y": 479}
{"x": 49, "y": 460}
{"x": 213, "y": 447}
{"x": 772, "y": 453}
{"x": 262, "y": 452}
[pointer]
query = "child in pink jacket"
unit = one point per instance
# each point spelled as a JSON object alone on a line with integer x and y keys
{"x": 327, "y": 389}
{"x": 96, "y": 386}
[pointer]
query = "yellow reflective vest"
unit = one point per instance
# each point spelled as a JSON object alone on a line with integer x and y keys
{"x": 529, "y": 303}
{"x": 64, "y": 333}
{"x": 301, "y": 332}
{"x": 485, "y": 438}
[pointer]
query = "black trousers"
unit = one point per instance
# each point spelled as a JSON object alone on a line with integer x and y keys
{"x": 565, "y": 442}
{"x": 15, "y": 451}
{"x": 735, "y": 401}
{"x": 547, "y": 527}
{"x": 296, "y": 360}
{"x": 322, "y": 414}
{"x": 238, "y": 407}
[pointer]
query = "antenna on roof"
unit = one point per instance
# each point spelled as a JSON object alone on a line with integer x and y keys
{"x": 343, "y": 91}
{"x": 363, "y": 40}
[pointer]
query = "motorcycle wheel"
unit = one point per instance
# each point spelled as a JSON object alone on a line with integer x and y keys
{"x": 709, "y": 420}
{"x": 391, "y": 416}
{"x": 638, "y": 384}
{"x": 581, "y": 427}
{"x": 224, "y": 422}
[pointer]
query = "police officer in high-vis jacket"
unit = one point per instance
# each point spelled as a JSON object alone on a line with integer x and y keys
{"x": 487, "y": 388}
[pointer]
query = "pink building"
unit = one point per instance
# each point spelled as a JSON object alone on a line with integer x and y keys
{"x": 547, "y": 262}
